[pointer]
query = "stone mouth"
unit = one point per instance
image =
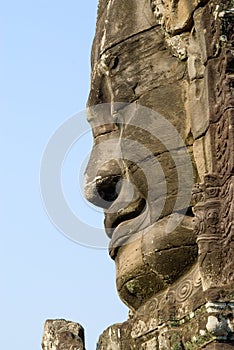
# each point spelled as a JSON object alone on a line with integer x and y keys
{"x": 122, "y": 225}
{"x": 112, "y": 221}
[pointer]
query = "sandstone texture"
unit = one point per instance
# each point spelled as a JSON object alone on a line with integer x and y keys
{"x": 174, "y": 58}
{"x": 62, "y": 335}
{"x": 161, "y": 107}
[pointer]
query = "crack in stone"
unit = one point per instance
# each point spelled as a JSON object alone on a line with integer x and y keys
{"x": 128, "y": 38}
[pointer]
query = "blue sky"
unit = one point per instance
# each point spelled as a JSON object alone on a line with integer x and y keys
{"x": 45, "y": 71}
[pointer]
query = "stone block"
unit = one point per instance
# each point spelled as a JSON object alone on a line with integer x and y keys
{"x": 198, "y": 107}
{"x": 202, "y": 150}
{"x": 175, "y": 16}
{"x": 63, "y": 335}
{"x": 119, "y": 20}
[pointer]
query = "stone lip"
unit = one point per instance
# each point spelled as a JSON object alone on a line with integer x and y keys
{"x": 124, "y": 214}
{"x": 132, "y": 220}
{"x": 128, "y": 229}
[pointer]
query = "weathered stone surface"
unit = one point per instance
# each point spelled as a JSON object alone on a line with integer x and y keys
{"x": 175, "y": 58}
{"x": 111, "y": 31}
{"x": 198, "y": 107}
{"x": 63, "y": 335}
{"x": 202, "y": 150}
{"x": 175, "y": 16}
{"x": 162, "y": 93}
{"x": 219, "y": 346}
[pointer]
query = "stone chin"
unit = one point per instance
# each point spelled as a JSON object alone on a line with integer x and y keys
{"x": 153, "y": 259}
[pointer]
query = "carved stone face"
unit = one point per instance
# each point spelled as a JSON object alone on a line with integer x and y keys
{"x": 137, "y": 170}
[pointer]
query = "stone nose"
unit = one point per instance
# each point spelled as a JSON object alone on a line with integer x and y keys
{"x": 102, "y": 184}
